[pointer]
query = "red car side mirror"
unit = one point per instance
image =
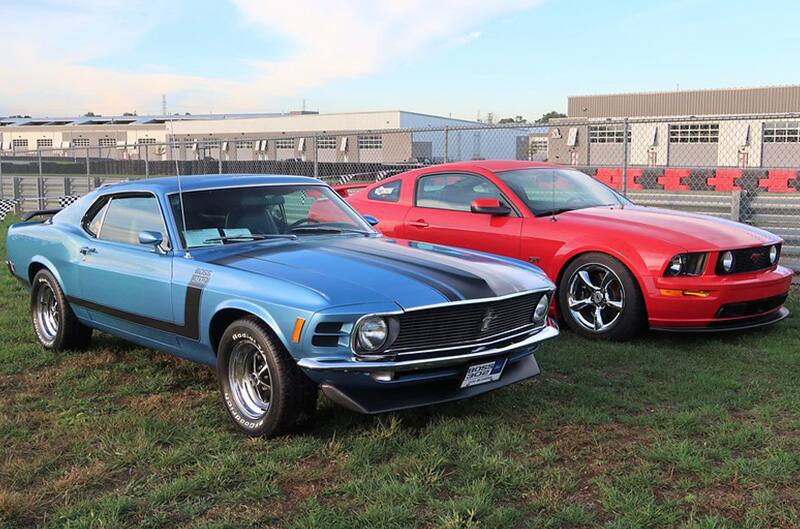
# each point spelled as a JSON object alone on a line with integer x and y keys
{"x": 489, "y": 206}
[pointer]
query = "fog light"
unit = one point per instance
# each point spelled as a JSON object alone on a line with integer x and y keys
{"x": 727, "y": 261}
{"x": 773, "y": 254}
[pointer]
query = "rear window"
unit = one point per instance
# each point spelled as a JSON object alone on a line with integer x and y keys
{"x": 388, "y": 192}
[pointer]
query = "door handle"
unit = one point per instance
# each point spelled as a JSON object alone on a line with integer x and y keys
{"x": 419, "y": 223}
{"x": 86, "y": 250}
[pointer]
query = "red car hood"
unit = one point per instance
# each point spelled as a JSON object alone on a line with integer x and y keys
{"x": 689, "y": 231}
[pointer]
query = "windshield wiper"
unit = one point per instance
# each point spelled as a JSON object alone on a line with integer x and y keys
{"x": 251, "y": 237}
{"x": 549, "y": 212}
{"x": 329, "y": 229}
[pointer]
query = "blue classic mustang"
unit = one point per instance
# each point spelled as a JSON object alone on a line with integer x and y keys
{"x": 285, "y": 289}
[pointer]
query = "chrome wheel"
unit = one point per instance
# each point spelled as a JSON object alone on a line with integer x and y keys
{"x": 596, "y": 297}
{"x": 47, "y": 314}
{"x": 250, "y": 380}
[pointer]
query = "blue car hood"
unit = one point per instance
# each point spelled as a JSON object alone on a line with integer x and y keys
{"x": 350, "y": 270}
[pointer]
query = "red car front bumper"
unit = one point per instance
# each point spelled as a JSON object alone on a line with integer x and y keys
{"x": 718, "y": 303}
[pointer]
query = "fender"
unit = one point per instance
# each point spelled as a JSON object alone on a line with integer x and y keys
{"x": 44, "y": 261}
{"x": 251, "y": 308}
{"x": 616, "y": 248}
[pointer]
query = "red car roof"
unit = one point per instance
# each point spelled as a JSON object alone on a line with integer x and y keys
{"x": 493, "y": 165}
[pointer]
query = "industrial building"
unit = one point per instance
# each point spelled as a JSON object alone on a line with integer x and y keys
{"x": 698, "y": 128}
{"x": 374, "y": 137}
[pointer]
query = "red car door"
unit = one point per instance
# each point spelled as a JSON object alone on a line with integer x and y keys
{"x": 441, "y": 214}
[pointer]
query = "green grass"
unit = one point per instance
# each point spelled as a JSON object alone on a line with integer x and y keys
{"x": 666, "y": 431}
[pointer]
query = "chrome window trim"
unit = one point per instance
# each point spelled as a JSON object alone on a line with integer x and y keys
{"x": 434, "y": 306}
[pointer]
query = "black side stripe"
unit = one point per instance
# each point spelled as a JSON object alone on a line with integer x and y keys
{"x": 191, "y": 310}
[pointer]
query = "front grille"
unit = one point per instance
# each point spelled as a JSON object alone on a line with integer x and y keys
{"x": 748, "y": 260}
{"x": 750, "y": 308}
{"x": 464, "y": 324}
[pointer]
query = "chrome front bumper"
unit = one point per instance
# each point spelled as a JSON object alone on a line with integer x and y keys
{"x": 354, "y": 365}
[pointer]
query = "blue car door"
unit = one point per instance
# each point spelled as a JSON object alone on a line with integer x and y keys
{"x": 124, "y": 284}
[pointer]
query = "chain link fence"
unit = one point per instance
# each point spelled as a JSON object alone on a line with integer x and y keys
{"x": 743, "y": 168}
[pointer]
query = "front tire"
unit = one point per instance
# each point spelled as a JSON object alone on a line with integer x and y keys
{"x": 263, "y": 390}
{"x": 55, "y": 324}
{"x": 599, "y": 298}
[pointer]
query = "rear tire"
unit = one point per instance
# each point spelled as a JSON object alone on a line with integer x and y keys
{"x": 263, "y": 390}
{"x": 598, "y": 297}
{"x": 55, "y": 324}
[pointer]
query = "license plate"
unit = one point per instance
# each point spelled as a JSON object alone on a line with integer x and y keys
{"x": 483, "y": 373}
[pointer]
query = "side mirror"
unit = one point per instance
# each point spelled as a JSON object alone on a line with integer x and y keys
{"x": 489, "y": 206}
{"x": 372, "y": 221}
{"x": 150, "y": 238}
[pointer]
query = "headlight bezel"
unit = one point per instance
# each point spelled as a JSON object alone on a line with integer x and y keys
{"x": 690, "y": 264}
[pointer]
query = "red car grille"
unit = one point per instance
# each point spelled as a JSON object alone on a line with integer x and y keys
{"x": 750, "y": 308}
{"x": 464, "y": 324}
{"x": 748, "y": 260}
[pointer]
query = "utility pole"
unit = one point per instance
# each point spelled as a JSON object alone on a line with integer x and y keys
{"x": 163, "y": 104}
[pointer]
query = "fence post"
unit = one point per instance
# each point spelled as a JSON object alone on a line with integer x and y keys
{"x": 624, "y": 157}
{"x": 316, "y": 156}
{"x": 88, "y": 172}
{"x": 219, "y": 159}
{"x": 736, "y": 205}
{"x": 17, "y": 190}
{"x": 446, "y": 144}
{"x": 1, "y": 171}
{"x": 146, "y": 161}
{"x": 40, "y": 182}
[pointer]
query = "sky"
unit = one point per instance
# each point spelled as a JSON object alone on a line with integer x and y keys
{"x": 449, "y": 57}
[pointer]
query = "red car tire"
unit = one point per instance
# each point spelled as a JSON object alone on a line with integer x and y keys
{"x": 598, "y": 297}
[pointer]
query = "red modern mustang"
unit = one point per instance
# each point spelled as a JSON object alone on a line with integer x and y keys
{"x": 618, "y": 266}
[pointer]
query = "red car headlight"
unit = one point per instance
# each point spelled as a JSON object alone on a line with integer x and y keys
{"x": 686, "y": 264}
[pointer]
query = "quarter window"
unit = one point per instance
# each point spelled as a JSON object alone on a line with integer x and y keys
{"x": 454, "y": 191}
{"x": 128, "y": 216}
{"x": 388, "y": 192}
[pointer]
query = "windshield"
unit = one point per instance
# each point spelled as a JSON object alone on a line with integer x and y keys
{"x": 240, "y": 214}
{"x": 553, "y": 191}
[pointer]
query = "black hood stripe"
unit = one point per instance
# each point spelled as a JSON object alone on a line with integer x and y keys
{"x": 463, "y": 283}
{"x": 444, "y": 288}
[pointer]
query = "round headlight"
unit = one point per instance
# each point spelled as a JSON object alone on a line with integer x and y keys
{"x": 675, "y": 266}
{"x": 540, "y": 312}
{"x": 727, "y": 261}
{"x": 773, "y": 254}
{"x": 371, "y": 334}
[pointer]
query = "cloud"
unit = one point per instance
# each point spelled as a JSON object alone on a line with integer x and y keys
{"x": 53, "y": 41}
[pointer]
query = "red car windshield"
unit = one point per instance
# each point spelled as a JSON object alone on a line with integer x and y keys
{"x": 554, "y": 191}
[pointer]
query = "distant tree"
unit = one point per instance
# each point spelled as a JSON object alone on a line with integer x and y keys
{"x": 517, "y": 119}
{"x": 550, "y": 115}
{"x": 129, "y": 113}
{"x": 91, "y": 115}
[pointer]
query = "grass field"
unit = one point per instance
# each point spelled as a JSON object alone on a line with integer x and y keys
{"x": 666, "y": 431}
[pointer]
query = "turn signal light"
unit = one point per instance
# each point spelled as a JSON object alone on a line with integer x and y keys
{"x": 298, "y": 329}
{"x": 680, "y": 293}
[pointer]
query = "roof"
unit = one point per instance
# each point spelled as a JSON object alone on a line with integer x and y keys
{"x": 169, "y": 184}
{"x": 496, "y": 165}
